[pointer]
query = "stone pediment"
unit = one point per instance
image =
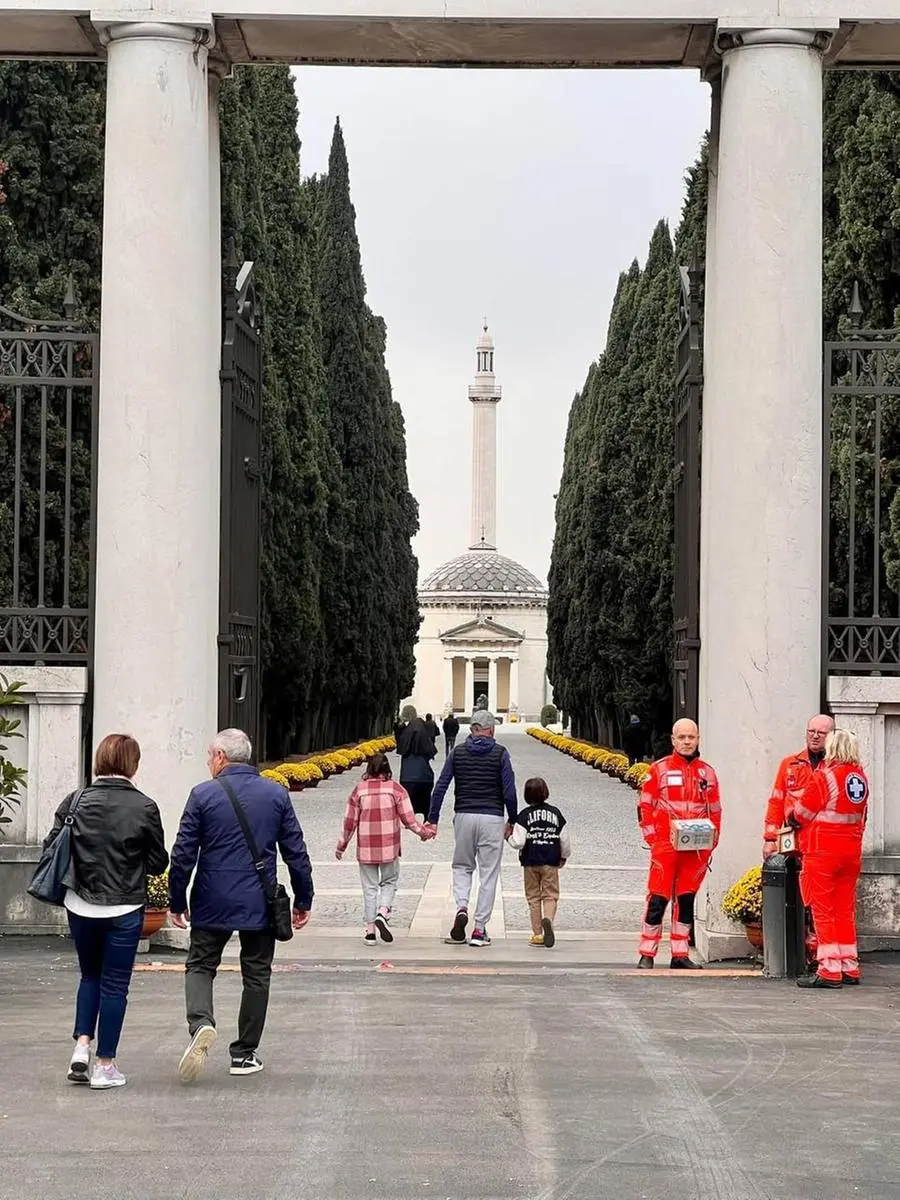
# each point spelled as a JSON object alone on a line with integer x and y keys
{"x": 483, "y": 629}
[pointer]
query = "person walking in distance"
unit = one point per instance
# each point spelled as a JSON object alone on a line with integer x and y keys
{"x": 680, "y": 786}
{"x": 376, "y": 809}
{"x": 432, "y": 729}
{"x": 791, "y": 780}
{"x": 541, "y": 836}
{"x": 485, "y": 812}
{"x": 228, "y": 896}
{"x": 451, "y": 733}
{"x": 634, "y": 740}
{"x": 831, "y": 816}
{"x": 416, "y": 748}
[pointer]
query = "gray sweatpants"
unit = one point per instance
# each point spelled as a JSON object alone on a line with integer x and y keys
{"x": 478, "y": 841}
{"x": 379, "y": 885}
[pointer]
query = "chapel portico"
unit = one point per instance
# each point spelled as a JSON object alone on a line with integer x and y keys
{"x": 158, "y": 454}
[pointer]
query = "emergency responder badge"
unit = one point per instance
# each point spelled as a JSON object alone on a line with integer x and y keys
{"x": 674, "y": 778}
{"x": 856, "y": 788}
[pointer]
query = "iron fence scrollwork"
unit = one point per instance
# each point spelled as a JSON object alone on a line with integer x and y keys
{"x": 687, "y": 413}
{"x": 239, "y": 559}
{"x": 48, "y": 418}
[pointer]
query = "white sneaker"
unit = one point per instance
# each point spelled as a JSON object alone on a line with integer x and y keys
{"x": 79, "y": 1066}
{"x": 195, "y": 1056}
{"x": 107, "y": 1077}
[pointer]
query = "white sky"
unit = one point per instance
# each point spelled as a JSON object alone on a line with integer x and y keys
{"x": 519, "y": 195}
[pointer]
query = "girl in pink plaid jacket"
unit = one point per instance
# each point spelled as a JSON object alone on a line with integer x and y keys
{"x": 376, "y": 808}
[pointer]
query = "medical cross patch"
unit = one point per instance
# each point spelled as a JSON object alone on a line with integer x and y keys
{"x": 856, "y": 788}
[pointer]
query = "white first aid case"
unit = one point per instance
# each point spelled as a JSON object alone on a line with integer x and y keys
{"x": 698, "y": 834}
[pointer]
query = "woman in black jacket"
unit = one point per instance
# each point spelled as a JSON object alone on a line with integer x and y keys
{"x": 117, "y": 841}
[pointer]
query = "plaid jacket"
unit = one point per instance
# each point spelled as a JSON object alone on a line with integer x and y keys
{"x": 375, "y": 810}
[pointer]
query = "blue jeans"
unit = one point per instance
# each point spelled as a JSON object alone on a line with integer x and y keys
{"x": 106, "y": 948}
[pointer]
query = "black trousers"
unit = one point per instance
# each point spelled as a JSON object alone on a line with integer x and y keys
{"x": 449, "y": 743}
{"x": 204, "y": 956}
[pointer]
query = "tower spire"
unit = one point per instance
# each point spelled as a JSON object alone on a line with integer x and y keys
{"x": 484, "y": 393}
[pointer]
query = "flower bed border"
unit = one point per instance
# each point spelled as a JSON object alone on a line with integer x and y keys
{"x": 297, "y": 776}
{"x": 601, "y": 758}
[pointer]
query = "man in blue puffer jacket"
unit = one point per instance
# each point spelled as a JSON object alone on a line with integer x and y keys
{"x": 485, "y": 812}
{"x": 227, "y": 894}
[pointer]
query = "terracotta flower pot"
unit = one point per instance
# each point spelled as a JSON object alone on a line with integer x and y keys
{"x": 753, "y": 930}
{"x": 154, "y": 919}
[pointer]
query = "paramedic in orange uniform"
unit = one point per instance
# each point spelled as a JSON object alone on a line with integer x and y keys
{"x": 679, "y": 787}
{"x": 792, "y": 777}
{"x": 831, "y": 816}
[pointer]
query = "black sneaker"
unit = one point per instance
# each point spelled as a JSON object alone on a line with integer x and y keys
{"x": 549, "y": 935}
{"x": 370, "y": 939}
{"x": 458, "y": 928}
{"x": 480, "y": 938}
{"x": 684, "y": 964}
{"x": 816, "y": 981}
{"x": 850, "y": 980}
{"x": 382, "y": 926}
{"x": 245, "y": 1064}
{"x": 645, "y": 963}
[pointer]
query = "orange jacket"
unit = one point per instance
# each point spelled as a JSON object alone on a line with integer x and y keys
{"x": 678, "y": 788}
{"x": 831, "y": 812}
{"x": 794, "y": 773}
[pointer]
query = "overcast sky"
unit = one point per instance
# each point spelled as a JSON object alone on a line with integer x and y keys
{"x": 516, "y": 195}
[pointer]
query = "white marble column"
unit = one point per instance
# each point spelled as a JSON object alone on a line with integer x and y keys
{"x": 762, "y": 437}
{"x": 155, "y": 661}
{"x": 514, "y": 683}
{"x": 448, "y": 681}
{"x": 492, "y": 684}
{"x": 484, "y": 474}
{"x": 469, "y": 698}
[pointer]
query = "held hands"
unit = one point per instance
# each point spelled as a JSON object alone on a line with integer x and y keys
{"x": 180, "y": 920}
{"x": 507, "y": 831}
{"x": 299, "y": 918}
{"x": 429, "y": 832}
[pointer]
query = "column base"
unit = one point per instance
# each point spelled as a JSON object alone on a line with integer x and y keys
{"x": 714, "y": 946}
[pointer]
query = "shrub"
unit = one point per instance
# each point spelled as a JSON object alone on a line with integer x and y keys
{"x": 549, "y": 715}
{"x": 743, "y": 900}
{"x": 12, "y": 778}
{"x": 158, "y": 890}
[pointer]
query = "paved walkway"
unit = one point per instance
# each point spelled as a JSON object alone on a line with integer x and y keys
{"x": 602, "y": 886}
{"x": 553, "y": 1085}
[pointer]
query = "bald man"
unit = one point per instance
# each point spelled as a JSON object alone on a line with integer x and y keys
{"x": 679, "y": 787}
{"x": 791, "y": 779}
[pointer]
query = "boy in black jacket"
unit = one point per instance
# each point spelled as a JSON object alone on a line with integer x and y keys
{"x": 542, "y": 839}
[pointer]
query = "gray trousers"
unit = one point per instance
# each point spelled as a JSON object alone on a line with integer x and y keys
{"x": 379, "y": 885}
{"x": 478, "y": 842}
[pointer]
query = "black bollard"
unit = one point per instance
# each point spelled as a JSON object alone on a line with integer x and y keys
{"x": 784, "y": 949}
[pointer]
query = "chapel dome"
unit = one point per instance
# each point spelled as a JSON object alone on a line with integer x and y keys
{"x": 483, "y": 573}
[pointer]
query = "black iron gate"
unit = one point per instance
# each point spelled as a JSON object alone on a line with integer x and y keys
{"x": 861, "y": 502}
{"x": 241, "y": 379}
{"x": 48, "y": 419}
{"x": 687, "y": 403}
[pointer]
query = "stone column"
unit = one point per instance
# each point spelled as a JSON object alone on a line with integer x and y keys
{"x": 448, "y": 680}
{"x": 514, "y": 683}
{"x": 762, "y": 438}
{"x": 155, "y": 659}
{"x": 469, "y": 698}
{"x": 492, "y": 684}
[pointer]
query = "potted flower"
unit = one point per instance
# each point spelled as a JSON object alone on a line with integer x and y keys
{"x": 743, "y": 902}
{"x": 157, "y": 907}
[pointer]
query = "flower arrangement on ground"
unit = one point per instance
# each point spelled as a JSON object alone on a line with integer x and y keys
{"x": 743, "y": 900}
{"x": 298, "y": 775}
{"x": 601, "y": 758}
{"x": 158, "y": 890}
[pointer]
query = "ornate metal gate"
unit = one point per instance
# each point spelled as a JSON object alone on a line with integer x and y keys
{"x": 241, "y": 379}
{"x": 48, "y": 419}
{"x": 687, "y": 403}
{"x": 861, "y": 502}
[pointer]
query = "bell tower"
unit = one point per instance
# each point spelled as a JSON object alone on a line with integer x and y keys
{"x": 484, "y": 394}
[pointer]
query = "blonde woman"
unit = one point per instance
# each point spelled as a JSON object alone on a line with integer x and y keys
{"x": 831, "y": 815}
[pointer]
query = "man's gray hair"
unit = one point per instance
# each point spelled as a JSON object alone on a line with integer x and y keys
{"x": 234, "y": 744}
{"x": 482, "y": 719}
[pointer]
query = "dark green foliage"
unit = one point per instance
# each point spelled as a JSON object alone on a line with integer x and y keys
{"x": 339, "y": 609}
{"x": 549, "y": 715}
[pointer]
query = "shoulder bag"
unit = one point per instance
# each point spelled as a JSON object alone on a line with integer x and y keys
{"x": 278, "y": 903}
{"x": 54, "y": 873}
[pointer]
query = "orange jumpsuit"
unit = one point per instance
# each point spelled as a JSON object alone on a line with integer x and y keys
{"x": 678, "y": 788}
{"x": 791, "y": 778}
{"x": 831, "y": 814}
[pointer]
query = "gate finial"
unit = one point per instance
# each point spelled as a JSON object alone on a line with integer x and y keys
{"x": 69, "y": 301}
{"x": 856, "y": 308}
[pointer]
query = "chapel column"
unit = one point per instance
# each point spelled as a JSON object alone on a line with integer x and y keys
{"x": 157, "y": 575}
{"x": 492, "y": 684}
{"x": 514, "y": 684}
{"x": 762, "y": 438}
{"x": 469, "y": 698}
{"x": 448, "y": 681}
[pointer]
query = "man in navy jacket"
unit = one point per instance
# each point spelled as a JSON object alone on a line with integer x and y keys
{"x": 227, "y": 894}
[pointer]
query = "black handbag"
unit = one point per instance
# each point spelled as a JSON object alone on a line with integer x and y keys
{"x": 54, "y": 873}
{"x": 278, "y": 904}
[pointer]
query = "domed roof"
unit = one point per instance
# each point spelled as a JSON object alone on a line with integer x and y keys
{"x": 483, "y": 572}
